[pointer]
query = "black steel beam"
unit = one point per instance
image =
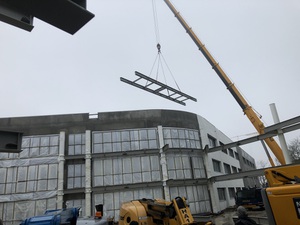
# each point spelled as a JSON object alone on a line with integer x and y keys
{"x": 67, "y": 15}
{"x": 174, "y": 95}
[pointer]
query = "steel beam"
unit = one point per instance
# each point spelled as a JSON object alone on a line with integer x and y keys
{"x": 170, "y": 93}
{"x": 271, "y": 131}
{"x": 240, "y": 175}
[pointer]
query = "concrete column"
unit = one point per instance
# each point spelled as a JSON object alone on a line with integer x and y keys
{"x": 280, "y": 135}
{"x": 88, "y": 173}
{"x": 227, "y": 195}
{"x": 61, "y": 169}
{"x": 163, "y": 163}
{"x": 214, "y": 199}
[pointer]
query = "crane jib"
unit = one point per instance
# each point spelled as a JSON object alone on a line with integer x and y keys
{"x": 254, "y": 119}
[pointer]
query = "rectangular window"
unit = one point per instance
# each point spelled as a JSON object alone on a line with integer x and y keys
{"x": 231, "y": 152}
{"x": 198, "y": 167}
{"x": 221, "y": 194}
{"x": 39, "y": 146}
{"x": 237, "y": 155}
{"x": 179, "y": 167}
{"x": 76, "y": 144}
{"x": 216, "y": 165}
{"x": 31, "y": 176}
{"x": 211, "y": 141}
{"x": 231, "y": 192}
{"x": 76, "y": 176}
{"x": 124, "y": 140}
{"x": 248, "y": 162}
{"x": 234, "y": 169}
{"x": 126, "y": 170}
{"x": 227, "y": 168}
{"x": 181, "y": 138}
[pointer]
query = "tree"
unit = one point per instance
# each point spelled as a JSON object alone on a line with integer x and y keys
{"x": 294, "y": 148}
{"x": 262, "y": 179}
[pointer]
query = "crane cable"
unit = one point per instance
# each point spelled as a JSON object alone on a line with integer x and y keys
{"x": 159, "y": 58}
{"x": 154, "y": 10}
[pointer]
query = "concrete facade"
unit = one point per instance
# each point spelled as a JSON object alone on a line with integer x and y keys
{"x": 248, "y": 163}
{"x": 226, "y": 163}
{"x": 108, "y": 158}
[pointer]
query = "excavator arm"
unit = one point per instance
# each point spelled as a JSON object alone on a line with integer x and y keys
{"x": 247, "y": 109}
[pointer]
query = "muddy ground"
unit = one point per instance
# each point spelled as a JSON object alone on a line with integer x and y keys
{"x": 226, "y": 218}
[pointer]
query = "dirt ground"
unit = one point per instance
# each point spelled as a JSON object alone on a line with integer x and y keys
{"x": 226, "y": 218}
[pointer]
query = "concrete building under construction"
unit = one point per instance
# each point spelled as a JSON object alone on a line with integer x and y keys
{"x": 108, "y": 158}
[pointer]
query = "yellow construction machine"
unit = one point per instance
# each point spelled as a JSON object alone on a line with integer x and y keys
{"x": 282, "y": 197}
{"x": 157, "y": 212}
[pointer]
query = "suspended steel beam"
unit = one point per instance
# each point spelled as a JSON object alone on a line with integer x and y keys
{"x": 158, "y": 88}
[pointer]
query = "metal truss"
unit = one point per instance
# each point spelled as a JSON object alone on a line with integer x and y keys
{"x": 158, "y": 88}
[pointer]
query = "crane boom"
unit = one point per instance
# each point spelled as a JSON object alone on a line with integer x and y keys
{"x": 247, "y": 109}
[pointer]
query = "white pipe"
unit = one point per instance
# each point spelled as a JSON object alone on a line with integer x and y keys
{"x": 88, "y": 173}
{"x": 61, "y": 168}
{"x": 280, "y": 135}
{"x": 163, "y": 163}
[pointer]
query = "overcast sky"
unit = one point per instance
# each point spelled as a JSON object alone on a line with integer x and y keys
{"x": 256, "y": 42}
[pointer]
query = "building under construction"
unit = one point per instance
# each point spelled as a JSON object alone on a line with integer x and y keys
{"x": 108, "y": 158}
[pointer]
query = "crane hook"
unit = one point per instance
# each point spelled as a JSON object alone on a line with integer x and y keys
{"x": 158, "y": 47}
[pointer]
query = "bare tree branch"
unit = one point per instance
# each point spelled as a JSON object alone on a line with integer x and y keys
{"x": 294, "y": 148}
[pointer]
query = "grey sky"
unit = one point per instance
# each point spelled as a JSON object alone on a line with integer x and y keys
{"x": 256, "y": 42}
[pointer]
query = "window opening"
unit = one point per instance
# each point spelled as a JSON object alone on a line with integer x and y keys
{"x": 231, "y": 192}
{"x": 227, "y": 168}
{"x": 237, "y": 155}
{"x": 216, "y": 165}
{"x": 234, "y": 169}
{"x": 221, "y": 193}
{"x": 223, "y": 150}
{"x": 212, "y": 141}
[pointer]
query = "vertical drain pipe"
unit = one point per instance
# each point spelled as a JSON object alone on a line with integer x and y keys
{"x": 88, "y": 173}
{"x": 61, "y": 169}
{"x": 280, "y": 135}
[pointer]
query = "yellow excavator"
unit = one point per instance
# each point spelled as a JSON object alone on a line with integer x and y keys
{"x": 282, "y": 197}
{"x": 157, "y": 212}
